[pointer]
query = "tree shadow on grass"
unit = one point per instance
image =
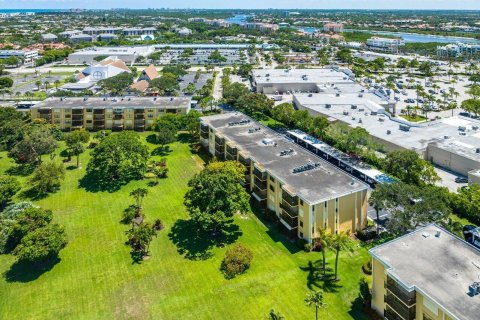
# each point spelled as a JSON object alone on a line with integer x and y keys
{"x": 316, "y": 279}
{"x": 185, "y": 137}
{"x": 91, "y": 183}
{"x": 151, "y": 138}
{"x": 360, "y": 308}
{"x": 195, "y": 244}
{"x": 22, "y": 170}
{"x": 26, "y": 272}
{"x": 161, "y": 151}
{"x": 34, "y": 195}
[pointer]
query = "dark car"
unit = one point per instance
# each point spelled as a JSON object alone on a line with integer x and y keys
{"x": 461, "y": 180}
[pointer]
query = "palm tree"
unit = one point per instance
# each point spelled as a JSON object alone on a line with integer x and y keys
{"x": 46, "y": 83}
{"x": 419, "y": 91}
{"x": 138, "y": 194}
{"x": 18, "y": 94}
{"x": 273, "y": 315}
{"x": 56, "y": 83}
{"x": 38, "y": 83}
{"x": 29, "y": 95}
{"x": 323, "y": 240}
{"x": 340, "y": 241}
{"x": 315, "y": 299}
{"x": 453, "y": 226}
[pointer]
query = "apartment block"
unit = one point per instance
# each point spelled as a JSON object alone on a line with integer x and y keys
{"x": 428, "y": 274}
{"x": 301, "y": 189}
{"x": 108, "y": 113}
{"x": 385, "y": 44}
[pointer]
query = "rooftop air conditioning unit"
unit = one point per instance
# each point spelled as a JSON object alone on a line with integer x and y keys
{"x": 373, "y": 113}
{"x": 354, "y": 106}
{"x": 360, "y": 120}
{"x": 360, "y": 95}
{"x": 345, "y": 113}
{"x": 381, "y": 119}
{"x": 389, "y": 132}
{"x": 404, "y": 127}
{"x": 446, "y": 137}
{"x": 477, "y": 150}
{"x": 462, "y": 128}
{"x": 328, "y": 106}
{"x": 337, "y": 94}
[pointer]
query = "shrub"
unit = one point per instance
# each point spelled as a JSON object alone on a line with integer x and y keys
{"x": 308, "y": 247}
{"x": 236, "y": 261}
{"x": 301, "y": 243}
{"x": 367, "y": 267}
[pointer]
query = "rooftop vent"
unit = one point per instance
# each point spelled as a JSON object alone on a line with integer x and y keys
{"x": 354, "y": 106}
{"x": 474, "y": 289}
{"x": 238, "y": 123}
{"x": 462, "y": 128}
{"x": 85, "y": 98}
{"x": 337, "y": 94}
{"x": 474, "y": 128}
{"x": 446, "y": 137}
{"x": 306, "y": 167}
{"x": 389, "y": 132}
{"x": 404, "y": 127}
{"x": 373, "y": 113}
{"x": 286, "y": 152}
{"x": 253, "y": 130}
{"x": 345, "y": 113}
{"x": 381, "y": 119}
{"x": 360, "y": 95}
{"x": 477, "y": 150}
{"x": 360, "y": 120}
{"x": 328, "y": 106}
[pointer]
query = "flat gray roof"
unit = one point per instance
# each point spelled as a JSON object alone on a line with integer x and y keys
{"x": 118, "y": 102}
{"x": 441, "y": 267}
{"x": 387, "y": 128}
{"x": 264, "y": 146}
{"x": 318, "y": 76}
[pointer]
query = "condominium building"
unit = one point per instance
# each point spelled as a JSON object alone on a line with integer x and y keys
{"x": 458, "y": 49}
{"x": 428, "y": 274}
{"x": 301, "y": 189}
{"x": 138, "y": 31}
{"x": 108, "y": 113}
{"x": 333, "y": 27}
{"x": 385, "y": 44}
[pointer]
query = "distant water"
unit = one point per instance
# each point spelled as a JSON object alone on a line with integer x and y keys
{"x": 239, "y": 19}
{"x": 419, "y": 38}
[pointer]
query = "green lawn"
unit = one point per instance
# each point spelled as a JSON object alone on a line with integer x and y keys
{"x": 96, "y": 279}
{"x": 413, "y": 118}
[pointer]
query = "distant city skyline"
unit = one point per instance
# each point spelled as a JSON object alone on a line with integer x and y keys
{"x": 246, "y": 4}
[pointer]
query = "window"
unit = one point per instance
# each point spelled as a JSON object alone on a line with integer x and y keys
{"x": 272, "y": 179}
{"x": 272, "y": 188}
{"x": 301, "y": 224}
{"x": 301, "y": 202}
{"x": 325, "y": 203}
{"x": 89, "y": 121}
{"x": 89, "y": 110}
{"x": 301, "y": 234}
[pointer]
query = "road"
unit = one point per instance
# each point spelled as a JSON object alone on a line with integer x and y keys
{"x": 217, "y": 87}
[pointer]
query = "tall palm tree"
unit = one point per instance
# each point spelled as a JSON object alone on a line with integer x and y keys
{"x": 453, "y": 226}
{"x": 419, "y": 91}
{"x": 56, "y": 83}
{"x": 315, "y": 299}
{"x": 323, "y": 240}
{"x": 46, "y": 83}
{"x": 340, "y": 242}
{"x": 138, "y": 194}
{"x": 38, "y": 83}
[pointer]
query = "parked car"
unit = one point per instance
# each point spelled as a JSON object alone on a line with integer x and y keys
{"x": 461, "y": 180}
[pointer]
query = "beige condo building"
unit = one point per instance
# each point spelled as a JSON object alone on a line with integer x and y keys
{"x": 301, "y": 189}
{"x": 428, "y": 274}
{"x": 127, "y": 113}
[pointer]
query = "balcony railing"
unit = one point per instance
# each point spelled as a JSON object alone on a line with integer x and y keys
{"x": 219, "y": 141}
{"x": 407, "y": 313}
{"x": 204, "y": 135}
{"x": 245, "y": 161}
{"x": 408, "y": 298}
{"x": 292, "y": 201}
{"x": 292, "y": 211}
{"x": 219, "y": 154}
{"x": 262, "y": 194}
{"x": 291, "y": 221}
{"x": 391, "y": 315}
{"x": 262, "y": 185}
{"x": 259, "y": 174}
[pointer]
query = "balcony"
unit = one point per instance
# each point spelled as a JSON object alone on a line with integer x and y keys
{"x": 291, "y": 201}
{"x": 291, "y": 210}
{"x": 219, "y": 141}
{"x": 291, "y": 221}
{"x": 204, "y": 134}
{"x": 117, "y": 117}
{"x": 259, "y": 174}
{"x": 219, "y": 154}
{"x": 389, "y": 314}
{"x": 228, "y": 156}
{"x": 407, "y": 313}
{"x": 98, "y": 116}
{"x": 262, "y": 185}
{"x": 245, "y": 161}
{"x": 262, "y": 194}
{"x": 408, "y": 298}
{"x": 139, "y": 116}
{"x": 77, "y": 112}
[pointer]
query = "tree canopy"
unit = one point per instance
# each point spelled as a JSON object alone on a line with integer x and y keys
{"x": 410, "y": 168}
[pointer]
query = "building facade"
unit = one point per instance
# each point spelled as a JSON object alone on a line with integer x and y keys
{"x": 385, "y": 44}
{"x": 428, "y": 274}
{"x": 333, "y": 27}
{"x": 302, "y": 190}
{"x": 107, "y": 113}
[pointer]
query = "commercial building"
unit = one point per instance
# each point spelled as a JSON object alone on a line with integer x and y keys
{"x": 28, "y": 57}
{"x": 69, "y": 33}
{"x": 333, "y": 27}
{"x": 452, "y": 143}
{"x": 108, "y": 113}
{"x": 127, "y": 54}
{"x": 107, "y": 68}
{"x": 385, "y": 44}
{"x": 101, "y": 30}
{"x": 301, "y": 189}
{"x": 49, "y": 37}
{"x": 428, "y": 274}
{"x": 275, "y": 81}
{"x": 82, "y": 37}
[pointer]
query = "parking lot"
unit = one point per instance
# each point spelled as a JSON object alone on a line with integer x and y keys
{"x": 190, "y": 78}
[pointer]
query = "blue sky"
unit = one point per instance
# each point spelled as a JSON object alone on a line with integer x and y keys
{"x": 313, "y": 4}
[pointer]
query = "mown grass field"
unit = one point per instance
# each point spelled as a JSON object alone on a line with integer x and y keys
{"x": 96, "y": 279}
